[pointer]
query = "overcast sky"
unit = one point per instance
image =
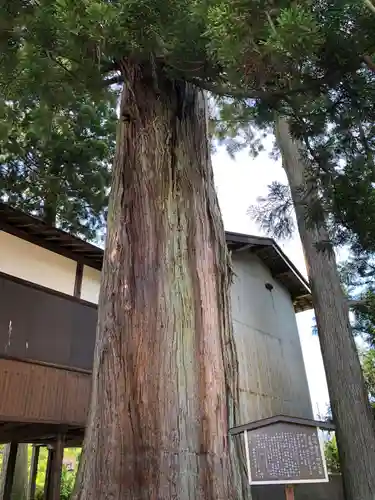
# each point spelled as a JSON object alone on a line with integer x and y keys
{"x": 239, "y": 182}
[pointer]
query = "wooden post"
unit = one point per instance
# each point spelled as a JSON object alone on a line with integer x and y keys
{"x": 33, "y": 473}
{"x": 47, "y": 482}
{"x": 9, "y": 472}
{"x": 54, "y": 469}
{"x": 289, "y": 492}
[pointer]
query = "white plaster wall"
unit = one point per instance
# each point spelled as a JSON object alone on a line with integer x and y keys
{"x": 272, "y": 376}
{"x": 30, "y": 262}
{"x": 90, "y": 284}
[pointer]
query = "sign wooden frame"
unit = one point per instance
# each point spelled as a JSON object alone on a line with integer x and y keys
{"x": 245, "y": 429}
{"x": 288, "y": 481}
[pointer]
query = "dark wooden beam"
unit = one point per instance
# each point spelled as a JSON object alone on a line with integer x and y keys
{"x": 47, "y": 481}
{"x": 45, "y": 289}
{"x": 56, "y": 469}
{"x": 78, "y": 280}
{"x": 9, "y": 471}
{"x": 257, "y": 424}
{"x": 281, "y": 275}
{"x": 52, "y": 485}
{"x": 33, "y": 473}
{"x": 73, "y": 439}
{"x": 243, "y": 248}
{"x": 29, "y": 433}
{"x": 11, "y": 432}
{"x": 39, "y": 433}
{"x": 10, "y": 427}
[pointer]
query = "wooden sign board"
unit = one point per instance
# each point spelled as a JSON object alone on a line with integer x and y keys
{"x": 285, "y": 453}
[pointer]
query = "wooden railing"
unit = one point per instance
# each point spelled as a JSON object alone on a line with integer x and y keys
{"x": 46, "y": 351}
{"x": 33, "y": 393}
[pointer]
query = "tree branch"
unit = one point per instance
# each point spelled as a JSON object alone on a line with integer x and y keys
{"x": 59, "y": 63}
{"x": 369, "y": 62}
{"x": 370, "y": 5}
{"x": 237, "y": 93}
{"x": 224, "y": 91}
{"x": 358, "y": 302}
{"x": 118, "y": 79}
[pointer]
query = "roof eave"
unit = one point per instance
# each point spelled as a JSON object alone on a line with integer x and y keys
{"x": 35, "y": 230}
{"x": 286, "y": 272}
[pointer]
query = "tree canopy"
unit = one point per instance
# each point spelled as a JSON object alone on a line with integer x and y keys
{"x": 334, "y": 120}
{"x": 55, "y": 161}
{"x": 312, "y": 61}
{"x": 337, "y": 133}
{"x": 248, "y": 50}
{"x": 310, "y": 56}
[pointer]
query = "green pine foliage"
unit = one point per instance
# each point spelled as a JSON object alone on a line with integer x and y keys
{"x": 333, "y": 116}
{"x": 332, "y": 455}
{"x": 357, "y": 275}
{"x": 337, "y": 132}
{"x": 55, "y": 161}
{"x": 368, "y": 366}
{"x": 311, "y": 61}
{"x": 234, "y": 48}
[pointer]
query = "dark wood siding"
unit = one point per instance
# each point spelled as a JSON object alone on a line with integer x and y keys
{"x": 35, "y": 393}
{"x": 41, "y": 325}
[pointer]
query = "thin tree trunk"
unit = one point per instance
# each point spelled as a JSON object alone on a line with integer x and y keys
{"x": 349, "y": 400}
{"x": 19, "y": 488}
{"x": 165, "y": 368}
{"x": 49, "y": 213}
{"x": 51, "y": 199}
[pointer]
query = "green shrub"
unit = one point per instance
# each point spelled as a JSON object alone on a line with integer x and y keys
{"x": 332, "y": 455}
{"x": 67, "y": 477}
{"x": 67, "y": 483}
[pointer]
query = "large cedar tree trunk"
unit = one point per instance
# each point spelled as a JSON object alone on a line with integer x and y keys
{"x": 349, "y": 400}
{"x": 164, "y": 381}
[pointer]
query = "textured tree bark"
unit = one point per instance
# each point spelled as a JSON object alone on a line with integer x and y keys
{"x": 349, "y": 400}
{"x": 165, "y": 368}
{"x": 19, "y": 488}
